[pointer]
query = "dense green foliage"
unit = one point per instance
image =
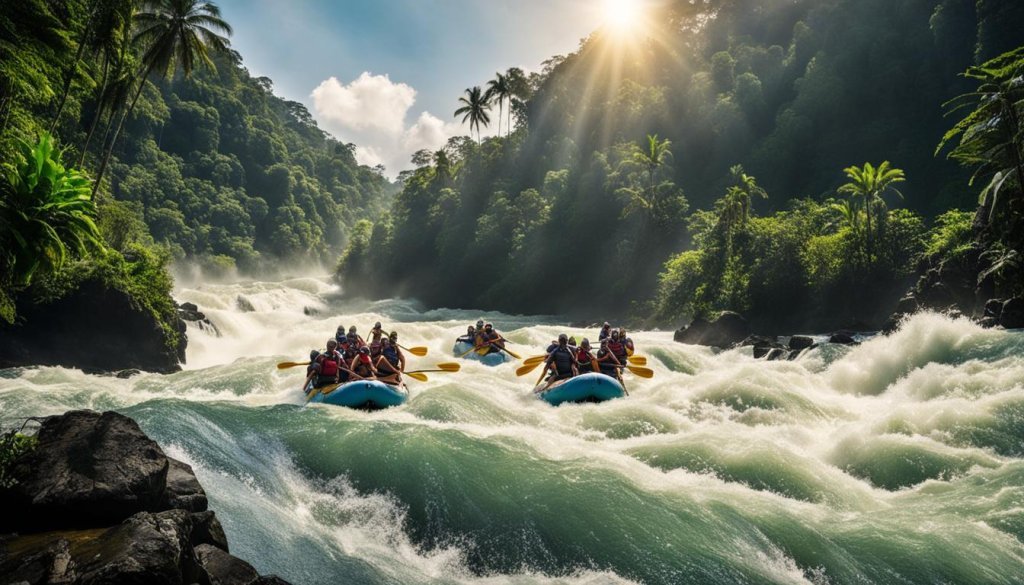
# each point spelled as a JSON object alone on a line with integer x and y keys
{"x": 582, "y": 205}
{"x": 224, "y": 171}
{"x": 12, "y": 446}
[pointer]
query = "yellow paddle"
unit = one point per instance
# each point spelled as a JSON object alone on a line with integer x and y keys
{"x": 417, "y": 351}
{"x": 284, "y": 365}
{"x": 442, "y": 367}
{"x": 636, "y": 360}
{"x": 416, "y": 376}
{"x": 526, "y": 368}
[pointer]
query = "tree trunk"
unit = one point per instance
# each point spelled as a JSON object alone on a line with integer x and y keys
{"x": 98, "y": 114}
{"x": 71, "y": 73}
{"x": 117, "y": 132}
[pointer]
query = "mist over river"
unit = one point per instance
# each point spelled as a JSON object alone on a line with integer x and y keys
{"x": 897, "y": 461}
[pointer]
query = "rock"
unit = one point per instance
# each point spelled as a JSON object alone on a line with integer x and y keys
{"x": 777, "y": 354}
{"x": 224, "y": 569}
{"x": 88, "y": 469}
{"x": 96, "y": 328}
{"x": 207, "y": 529}
{"x": 1012, "y": 314}
{"x": 907, "y": 305}
{"x": 310, "y": 311}
{"x": 724, "y": 332}
{"x": 270, "y": 580}
{"x": 988, "y": 322}
{"x": 183, "y": 489}
{"x": 47, "y": 562}
{"x": 843, "y": 337}
{"x": 125, "y": 374}
{"x": 244, "y": 305}
{"x": 189, "y": 307}
{"x": 994, "y": 308}
{"x": 800, "y": 342}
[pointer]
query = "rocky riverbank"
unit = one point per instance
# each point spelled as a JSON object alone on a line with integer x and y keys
{"x": 97, "y": 501}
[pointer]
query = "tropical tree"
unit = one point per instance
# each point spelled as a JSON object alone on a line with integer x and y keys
{"x": 46, "y": 214}
{"x": 866, "y": 187}
{"x": 734, "y": 208}
{"x": 990, "y": 135}
{"x": 475, "y": 107}
{"x": 651, "y": 157}
{"x": 499, "y": 89}
{"x": 172, "y": 34}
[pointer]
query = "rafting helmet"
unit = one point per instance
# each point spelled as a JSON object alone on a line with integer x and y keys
{"x": 377, "y": 325}
{"x": 352, "y": 329}
{"x": 615, "y": 334}
{"x": 364, "y": 350}
{"x": 332, "y": 343}
{"x": 313, "y": 355}
{"x": 563, "y": 339}
{"x": 606, "y": 325}
{"x": 585, "y": 342}
{"x": 480, "y": 324}
{"x": 572, "y": 340}
{"x": 385, "y": 341}
{"x": 470, "y": 330}
{"x": 488, "y": 327}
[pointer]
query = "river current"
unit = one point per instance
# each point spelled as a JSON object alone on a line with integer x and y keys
{"x": 900, "y": 460}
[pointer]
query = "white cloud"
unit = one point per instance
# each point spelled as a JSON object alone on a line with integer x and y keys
{"x": 371, "y": 111}
{"x": 370, "y": 102}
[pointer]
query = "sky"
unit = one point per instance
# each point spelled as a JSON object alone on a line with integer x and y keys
{"x": 387, "y": 74}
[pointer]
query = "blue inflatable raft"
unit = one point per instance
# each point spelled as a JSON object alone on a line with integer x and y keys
{"x": 492, "y": 359}
{"x": 589, "y": 387}
{"x": 364, "y": 394}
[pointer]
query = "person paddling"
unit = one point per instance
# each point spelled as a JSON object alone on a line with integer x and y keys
{"x": 376, "y": 333}
{"x": 326, "y": 367}
{"x": 469, "y": 337}
{"x": 492, "y": 338}
{"x": 606, "y": 332}
{"x": 607, "y": 362}
{"x": 561, "y": 362}
{"x": 362, "y": 366}
{"x": 390, "y": 363}
{"x": 586, "y": 360}
{"x": 353, "y": 336}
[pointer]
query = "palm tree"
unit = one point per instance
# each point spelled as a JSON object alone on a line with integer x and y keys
{"x": 656, "y": 155}
{"x": 866, "y": 187}
{"x": 991, "y": 133}
{"x": 500, "y": 90}
{"x": 172, "y": 34}
{"x": 46, "y": 212}
{"x": 111, "y": 40}
{"x": 735, "y": 206}
{"x": 474, "y": 109}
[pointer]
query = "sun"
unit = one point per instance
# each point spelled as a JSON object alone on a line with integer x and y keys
{"x": 622, "y": 15}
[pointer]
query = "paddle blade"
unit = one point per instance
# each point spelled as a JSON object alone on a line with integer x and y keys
{"x": 526, "y": 369}
{"x": 514, "y": 356}
{"x": 417, "y": 351}
{"x": 642, "y": 372}
{"x": 285, "y": 365}
{"x": 483, "y": 351}
{"x": 417, "y": 376}
{"x": 638, "y": 360}
{"x": 534, "y": 359}
{"x": 449, "y": 367}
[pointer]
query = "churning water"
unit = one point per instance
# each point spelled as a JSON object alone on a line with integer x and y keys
{"x": 898, "y": 461}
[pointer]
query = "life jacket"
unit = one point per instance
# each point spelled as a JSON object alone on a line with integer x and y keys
{"x": 328, "y": 364}
{"x": 607, "y": 366}
{"x": 390, "y": 354}
{"x": 563, "y": 360}
{"x": 375, "y": 348}
{"x": 617, "y": 348}
{"x": 492, "y": 336}
{"x": 583, "y": 356}
{"x": 362, "y": 365}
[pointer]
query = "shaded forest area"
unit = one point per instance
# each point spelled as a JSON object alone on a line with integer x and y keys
{"x": 776, "y": 157}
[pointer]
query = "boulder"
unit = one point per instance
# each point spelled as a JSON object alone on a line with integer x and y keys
{"x": 777, "y": 354}
{"x": 244, "y": 305}
{"x": 800, "y": 342}
{"x": 994, "y": 308}
{"x": 191, "y": 313}
{"x": 88, "y": 469}
{"x": 1012, "y": 314}
{"x": 125, "y": 374}
{"x": 224, "y": 569}
{"x": 207, "y": 529}
{"x": 183, "y": 490}
{"x": 724, "y": 332}
{"x": 843, "y": 337}
{"x": 93, "y": 328}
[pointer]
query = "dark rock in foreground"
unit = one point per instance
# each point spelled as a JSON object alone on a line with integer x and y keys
{"x": 724, "y": 332}
{"x": 97, "y": 501}
{"x": 94, "y": 328}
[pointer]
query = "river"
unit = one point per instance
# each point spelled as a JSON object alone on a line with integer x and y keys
{"x": 897, "y": 461}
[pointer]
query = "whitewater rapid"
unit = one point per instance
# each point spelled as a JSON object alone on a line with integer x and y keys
{"x": 897, "y": 461}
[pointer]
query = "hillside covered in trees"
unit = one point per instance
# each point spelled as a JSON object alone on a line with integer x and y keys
{"x": 776, "y": 157}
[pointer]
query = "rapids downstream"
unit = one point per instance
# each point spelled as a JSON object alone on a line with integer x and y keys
{"x": 897, "y": 461}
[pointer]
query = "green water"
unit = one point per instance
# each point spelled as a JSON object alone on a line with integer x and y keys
{"x": 899, "y": 461}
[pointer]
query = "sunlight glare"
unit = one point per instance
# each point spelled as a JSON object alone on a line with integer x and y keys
{"x": 621, "y": 15}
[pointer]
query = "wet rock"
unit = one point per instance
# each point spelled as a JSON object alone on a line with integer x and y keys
{"x": 1012, "y": 314}
{"x": 988, "y": 322}
{"x": 310, "y": 311}
{"x": 207, "y": 529}
{"x": 726, "y": 331}
{"x": 800, "y": 342}
{"x": 244, "y": 305}
{"x": 994, "y": 308}
{"x": 843, "y": 337}
{"x": 88, "y": 469}
{"x": 777, "y": 354}
{"x": 182, "y": 489}
{"x": 191, "y": 313}
{"x": 224, "y": 569}
{"x": 125, "y": 374}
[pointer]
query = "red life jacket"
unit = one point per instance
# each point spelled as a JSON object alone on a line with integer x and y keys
{"x": 328, "y": 364}
{"x": 583, "y": 356}
{"x": 617, "y": 348}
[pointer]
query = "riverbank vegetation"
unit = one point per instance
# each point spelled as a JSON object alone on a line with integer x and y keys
{"x": 740, "y": 155}
{"x": 181, "y": 154}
